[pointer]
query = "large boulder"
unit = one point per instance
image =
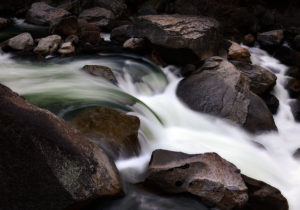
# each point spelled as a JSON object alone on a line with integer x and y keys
{"x": 21, "y": 42}
{"x": 97, "y": 15}
{"x": 45, "y": 164}
{"x": 218, "y": 88}
{"x": 65, "y": 26}
{"x": 4, "y": 23}
{"x": 41, "y": 13}
{"x": 118, "y": 7}
{"x": 217, "y": 182}
{"x": 111, "y": 129}
{"x": 48, "y": 45}
{"x": 261, "y": 80}
{"x": 263, "y": 196}
{"x": 200, "y": 35}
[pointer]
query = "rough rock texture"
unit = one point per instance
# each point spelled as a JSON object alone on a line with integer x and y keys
{"x": 216, "y": 181}
{"x": 218, "y": 88}
{"x": 100, "y": 71}
{"x": 261, "y": 80}
{"x": 4, "y": 23}
{"x": 65, "y": 26}
{"x": 97, "y": 15}
{"x": 239, "y": 53}
{"x": 48, "y": 45}
{"x": 44, "y": 163}
{"x": 270, "y": 38}
{"x": 22, "y": 42}
{"x": 41, "y": 13}
{"x": 113, "y": 130}
{"x": 198, "y": 34}
{"x": 67, "y": 49}
{"x": 263, "y": 196}
{"x": 118, "y": 7}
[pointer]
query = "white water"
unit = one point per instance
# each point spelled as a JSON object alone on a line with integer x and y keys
{"x": 183, "y": 129}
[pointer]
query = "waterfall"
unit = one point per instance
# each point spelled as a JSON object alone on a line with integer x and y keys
{"x": 166, "y": 123}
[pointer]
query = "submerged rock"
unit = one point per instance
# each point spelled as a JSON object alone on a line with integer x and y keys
{"x": 41, "y": 13}
{"x": 100, "y": 71}
{"x": 261, "y": 80}
{"x": 21, "y": 42}
{"x": 263, "y": 196}
{"x": 111, "y": 129}
{"x": 239, "y": 53}
{"x": 48, "y": 45}
{"x": 97, "y": 15}
{"x": 45, "y": 164}
{"x": 217, "y": 182}
{"x": 218, "y": 88}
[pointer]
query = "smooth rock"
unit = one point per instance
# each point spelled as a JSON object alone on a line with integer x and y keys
{"x": 111, "y": 129}
{"x": 48, "y": 45}
{"x": 217, "y": 182}
{"x": 270, "y": 38}
{"x": 22, "y": 42}
{"x": 65, "y": 26}
{"x": 67, "y": 49}
{"x": 41, "y": 13}
{"x": 47, "y": 165}
{"x": 100, "y": 71}
{"x": 261, "y": 80}
{"x": 222, "y": 90}
{"x": 98, "y": 16}
{"x": 239, "y": 53}
{"x": 118, "y": 7}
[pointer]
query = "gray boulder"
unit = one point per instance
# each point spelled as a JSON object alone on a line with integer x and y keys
{"x": 45, "y": 164}
{"x": 48, "y": 45}
{"x": 218, "y": 88}
{"x": 21, "y": 42}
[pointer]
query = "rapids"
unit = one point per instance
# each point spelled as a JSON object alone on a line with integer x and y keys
{"x": 149, "y": 92}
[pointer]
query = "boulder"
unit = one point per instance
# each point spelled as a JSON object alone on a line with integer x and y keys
{"x": 239, "y": 53}
{"x": 100, "y": 71}
{"x": 67, "y": 49}
{"x": 135, "y": 44}
{"x": 4, "y": 23}
{"x": 41, "y": 13}
{"x": 98, "y": 16}
{"x": 45, "y": 164}
{"x": 295, "y": 107}
{"x": 263, "y": 196}
{"x": 217, "y": 182}
{"x": 293, "y": 87}
{"x": 65, "y": 26}
{"x": 118, "y": 7}
{"x": 261, "y": 80}
{"x": 199, "y": 35}
{"x": 270, "y": 38}
{"x": 21, "y": 42}
{"x": 111, "y": 129}
{"x": 220, "y": 89}
{"x": 48, "y": 45}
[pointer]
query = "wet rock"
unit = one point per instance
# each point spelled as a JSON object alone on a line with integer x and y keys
{"x": 118, "y": 7}
{"x": 21, "y": 42}
{"x": 293, "y": 86}
{"x": 295, "y": 107}
{"x": 249, "y": 40}
{"x": 199, "y": 35}
{"x": 100, "y": 71}
{"x": 270, "y": 38}
{"x": 48, "y": 45}
{"x": 45, "y": 164}
{"x": 4, "y": 23}
{"x": 263, "y": 196}
{"x": 67, "y": 49}
{"x": 220, "y": 89}
{"x": 98, "y": 16}
{"x": 261, "y": 80}
{"x": 238, "y": 53}
{"x": 297, "y": 154}
{"x": 41, "y": 13}
{"x": 134, "y": 44}
{"x": 217, "y": 182}
{"x": 294, "y": 72}
{"x": 65, "y": 26}
{"x": 111, "y": 129}
{"x": 271, "y": 101}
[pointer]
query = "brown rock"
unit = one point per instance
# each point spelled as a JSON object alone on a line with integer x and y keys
{"x": 135, "y": 44}
{"x": 98, "y": 16}
{"x": 214, "y": 180}
{"x": 45, "y": 164}
{"x": 65, "y": 26}
{"x": 249, "y": 40}
{"x": 113, "y": 130}
{"x": 101, "y": 71}
{"x": 239, "y": 53}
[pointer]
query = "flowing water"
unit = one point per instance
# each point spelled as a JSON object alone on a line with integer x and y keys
{"x": 148, "y": 92}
